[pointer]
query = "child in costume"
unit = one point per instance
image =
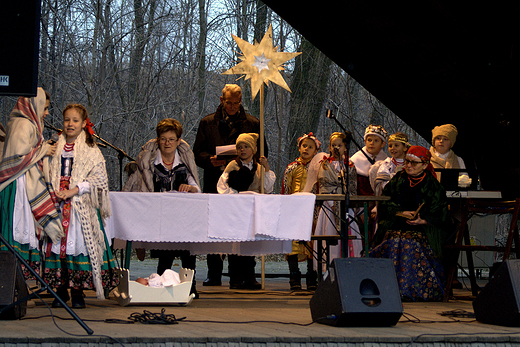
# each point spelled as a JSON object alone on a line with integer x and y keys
{"x": 82, "y": 259}
{"x": 27, "y": 201}
{"x": 383, "y": 171}
{"x": 336, "y": 175}
{"x": 244, "y": 174}
{"x": 294, "y": 179}
{"x": 443, "y": 157}
{"x": 375, "y": 140}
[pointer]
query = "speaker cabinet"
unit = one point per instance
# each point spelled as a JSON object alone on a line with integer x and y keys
{"x": 358, "y": 292}
{"x": 20, "y": 39}
{"x": 499, "y": 301}
{"x": 12, "y": 287}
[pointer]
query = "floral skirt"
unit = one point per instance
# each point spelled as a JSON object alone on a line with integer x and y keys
{"x": 30, "y": 254}
{"x": 76, "y": 271}
{"x": 419, "y": 274}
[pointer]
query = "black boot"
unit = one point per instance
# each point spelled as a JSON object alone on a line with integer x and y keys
{"x": 248, "y": 273}
{"x": 63, "y": 294}
{"x": 235, "y": 272}
{"x": 295, "y": 280}
{"x": 311, "y": 280}
{"x": 294, "y": 272}
{"x": 215, "y": 267}
{"x": 77, "y": 298}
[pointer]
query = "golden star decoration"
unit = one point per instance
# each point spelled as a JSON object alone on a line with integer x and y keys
{"x": 261, "y": 62}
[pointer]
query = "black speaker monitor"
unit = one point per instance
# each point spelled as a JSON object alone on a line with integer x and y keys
{"x": 20, "y": 39}
{"x": 499, "y": 301}
{"x": 358, "y": 292}
{"x": 12, "y": 287}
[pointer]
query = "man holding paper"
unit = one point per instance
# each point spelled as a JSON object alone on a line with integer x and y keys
{"x": 215, "y": 134}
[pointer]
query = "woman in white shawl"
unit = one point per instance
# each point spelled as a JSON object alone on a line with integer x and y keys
{"x": 27, "y": 202}
{"x": 82, "y": 259}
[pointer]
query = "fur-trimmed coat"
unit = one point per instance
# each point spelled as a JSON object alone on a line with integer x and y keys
{"x": 142, "y": 179}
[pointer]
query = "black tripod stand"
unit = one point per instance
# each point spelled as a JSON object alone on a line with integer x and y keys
{"x": 45, "y": 286}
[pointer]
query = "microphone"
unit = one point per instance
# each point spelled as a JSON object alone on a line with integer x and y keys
{"x": 336, "y": 153}
{"x": 54, "y": 138}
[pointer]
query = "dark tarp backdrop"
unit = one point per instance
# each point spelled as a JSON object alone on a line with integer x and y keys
{"x": 431, "y": 63}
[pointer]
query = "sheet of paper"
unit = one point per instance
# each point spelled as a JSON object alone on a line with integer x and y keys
{"x": 226, "y": 150}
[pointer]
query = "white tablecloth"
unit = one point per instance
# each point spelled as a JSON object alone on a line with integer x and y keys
{"x": 247, "y": 224}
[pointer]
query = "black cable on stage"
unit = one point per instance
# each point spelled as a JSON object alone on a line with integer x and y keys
{"x": 458, "y": 314}
{"x": 62, "y": 330}
{"x": 413, "y": 319}
{"x": 148, "y": 317}
{"x": 414, "y": 340}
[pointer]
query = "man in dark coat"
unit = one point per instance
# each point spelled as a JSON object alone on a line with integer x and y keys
{"x": 220, "y": 129}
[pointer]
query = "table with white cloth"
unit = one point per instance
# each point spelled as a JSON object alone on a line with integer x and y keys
{"x": 244, "y": 224}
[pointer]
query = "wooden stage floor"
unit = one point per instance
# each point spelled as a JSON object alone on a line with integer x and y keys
{"x": 228, "y": 318}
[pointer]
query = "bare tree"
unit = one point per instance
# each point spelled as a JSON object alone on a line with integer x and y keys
{"x": 201, "y": 52}
{"x": 135, "y": 62}
{"x": 308, "y": 93}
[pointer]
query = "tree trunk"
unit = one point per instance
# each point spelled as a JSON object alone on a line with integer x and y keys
{"x": 201, "y": 54}
{"x": 308, "y": 93}
{"x": 136, "y": 56}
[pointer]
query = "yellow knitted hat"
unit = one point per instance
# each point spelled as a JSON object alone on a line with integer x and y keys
{"x": 448, "y": 130}
{"x": 248, "y": 138}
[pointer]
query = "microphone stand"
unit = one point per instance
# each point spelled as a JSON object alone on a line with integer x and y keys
{"x": 330, "y": 115}
{"x": 344, "y": 220}
{"x": 121, "y": 154}
{"x": 346, "y": 204}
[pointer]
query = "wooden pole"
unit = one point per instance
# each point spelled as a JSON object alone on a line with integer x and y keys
{"x": 262, "y": 171}
{"x": 261, "y": 136}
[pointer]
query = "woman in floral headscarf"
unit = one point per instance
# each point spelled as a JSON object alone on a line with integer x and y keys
{"x": 28, "y": 208}
{"x": 414, "y": 243}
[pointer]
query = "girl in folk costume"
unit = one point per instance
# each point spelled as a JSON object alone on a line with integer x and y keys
{"x": 294, "y": 179}
{"x": 382, "y": 171}
{"x": 82, "y": 259}
{"x": 414, "y": 240}
{"x": 244, "y": 174}
{"x": 332, "y": 179}
{"x": 27, "y": 201}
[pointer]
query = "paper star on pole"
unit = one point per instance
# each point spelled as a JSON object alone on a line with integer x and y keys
{"x": 261, "y": 62}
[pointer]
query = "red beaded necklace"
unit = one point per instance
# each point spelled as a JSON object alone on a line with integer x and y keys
{"x": 416, "y": 180}
{"x": 168, "y": 164}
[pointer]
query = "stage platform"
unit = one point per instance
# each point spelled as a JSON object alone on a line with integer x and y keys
{"x": 275, "y": 317}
